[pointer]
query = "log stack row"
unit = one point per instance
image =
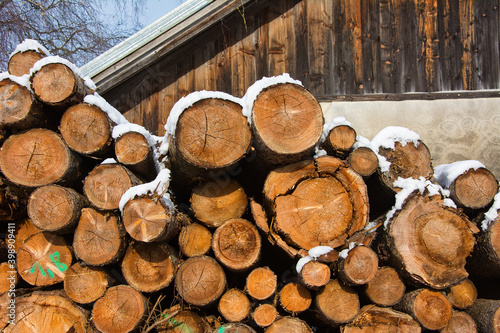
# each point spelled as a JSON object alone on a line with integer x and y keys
{"x": 250, "y": 215}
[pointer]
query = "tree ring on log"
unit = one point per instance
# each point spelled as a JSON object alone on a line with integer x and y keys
{"x": 54, "y": 83}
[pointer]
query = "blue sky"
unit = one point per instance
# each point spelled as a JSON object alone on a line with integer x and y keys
{"x": 154, "y": 9}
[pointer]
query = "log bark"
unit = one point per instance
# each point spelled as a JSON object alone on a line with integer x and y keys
{"x": 38, "y": 157}
{"x": 460, "y": 322}
{"x": 19, "y": 109}
{"x": 264, "y": 315}
{"x": 337, "y": 303}
{"x": 194, "y": 240}
{"x": 106, "y": 183}
{"x": 20, "y": 63}
{"x": 43, "y": 259}
{"x": 85, "y": 284}
{"x": 386, "y": 288}
{"x": 87, "y": 130}
{"x": 372, "y": 318}
{"x": 55, "y": 208}
{"x": 234, "y": 305}
{"x": 56, "y": 85}
{"x": 462, "y": 295}
{"x": 132, "y": 150}
{"x": 363, "y": 160}
{"x": 200, "y": 281}
{"x": 428, "y": 307}
{"x": 339, "y": 141}
{"x": 99, "y": 238}
{"x": 13, "y": 200}
{"x": 295, "y": 298}
{"x": 429, "y": 242}
{"x": 315, "y": 275}
{"x": 485, "y": 260}
{"x": 237, "y": 244}
{"x": 315, "y": 202}
{"x": 261, "y": 283}
{"x": 148, "y": 219}
{"x": 359, "y": 267}
{"x": 121, "y": 309}
{"x": 486, "y": 314}
{"x": 287, "y": 123}
{"x": 149, "y": 267}
{"x": 215, "y": 201}
{"x": 289, "y": 325}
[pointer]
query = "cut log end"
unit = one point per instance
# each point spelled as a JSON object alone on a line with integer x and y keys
{"x": 315, "y": 274}
{"x": 21, "y": 63}
{"x": 85, "y": 284}
{"x": 363, "y": 160}
{"x": 290, "y": 325}
{"x": 460, "y": 322}
{"x": 132, "y": 150}
{"x": 294, "y": 298}
{"x": 264, "y": 315}
{"x": 359, "y": 267}
{"x": 261, "y": 283}
{"x": 195, "y": 240}
{"x": 340, "y": 140}
{"x": 377, "y": 319}
{"x": 337, "y": 303}
{"x": 386, "y": 288}
{"x": 234, "y": 305}
{"x": 474, "y": 189}
{"x": 462, "y": 295}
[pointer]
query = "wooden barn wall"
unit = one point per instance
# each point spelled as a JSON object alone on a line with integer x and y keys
{"x": 335, "y": 47}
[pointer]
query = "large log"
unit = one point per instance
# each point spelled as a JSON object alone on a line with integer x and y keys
{"x": 23, "y": 230}
{"x": 486, "y": 314}
{"x": 372, "y": 318}
{"x": 337, "y": 303}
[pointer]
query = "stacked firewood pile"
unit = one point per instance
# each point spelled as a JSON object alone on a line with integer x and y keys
{"x": 249, "y": 215}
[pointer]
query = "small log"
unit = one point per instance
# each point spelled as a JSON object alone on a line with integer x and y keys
{"x": 194, "y": 240}
{"x": 460, "y": 322}
{"x": 23, "y": 230}
{"x": 339, "y": 141}
{"x": 183, "y": 321}
{"x": 363, "y": 160}
{"x": 106, "y": 183}
{"x": 429, "y": 308}
{"x": 38, "y": 157}
{"x": 19, "y": 109}
{"x": 234, "y": 305}
{"x": 386, "y": 288}
{"x": 234, "y": 328}
{"x": 264, "y": 315}
{"x": 237, "y": 244}
{"x": 315, "y": 274}
{"x": 200, "y": 281}
{"x": 485, "y": 260}
{"x": 87, "y": 130}
{"x": 261, "y": 283}
{"x": 294, "y": 298}
{"x": 55, "y": 208}
{"x": 43, "y": 259}
{"x": 486, "y": 314}
{"x": 372, "y": 318}
{"x": 8, "y": 277}
{"x": 289, "y": 325}
{"x": 287, "y": 123}
{"x": 132, "y": 150}
{"x": 149, "y": 267}
{"x": 216, "y": 201}
{"x": 85, "y": 284}
{"x": 99, "y": 238}
{"x": 13, "y": 200}
{"x": 121, "y": 309}
{"x": 56, "y": 85}
{"x": 337, "y": 303}
{"x": 20, "y": 63}
{"x": 359, "y": 267}
{"x": 462, "y": 295}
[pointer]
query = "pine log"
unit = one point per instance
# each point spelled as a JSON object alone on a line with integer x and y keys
{"x": 132, "y": 150}
{"x": 85, "y": 284}
{"x": 38, "y": 157}
{"x": 429, "y": 308}
{"x": 386, "y": 288}
{"x": 460, "y": 322}
{"x": 87, "y": 130}
{"x": 215, "y": 201}
{"x": 485, "y": 260}
{"x": 8, "y": 277}
{"x": 337, "y": 303}
{"x": 486, "y": 314}
{"x": 149, "y": 267}
{"x": 359, "y": 267}
{"x": 121, "y": 309}
{"x": 261, "y": 283}
{"x": 264, "y": 315}
{"x": 287, "y": 123}
{"x": 234, "y": 305}
{"x": 200, "y": 281}
{"x": 237, "y": 244}
{"x": 315, "y": 202}
{"x": 55, "y": 208}
{"x": 106, "y": 183}
{"x": 339, "y": 141}
{"x": 194, "y": 240}
{"x": 429, "y": 242}
{"x": 99, "y": 237}
{"x": 294, "y": 298}
{"x": 212, "y": 134}
{"x": 13, "y": 200}
{"x": 474, "y": 189}
{"x": 20, "y": 63}
{"x": 23, "y": 230}
{"x": 51, "y": 311}
{"x": 462, "y": 295}
{"x": 234, "y": 328}
{"x": 315, "y": 274}
{"x": 373, "y": 319}
{"x": 363, "y": 160}
{"x": 19, "y": 109}
{"x": 289, "y": 325}
{"x": 183, "y": 321}
{"x": 56, "y": 85}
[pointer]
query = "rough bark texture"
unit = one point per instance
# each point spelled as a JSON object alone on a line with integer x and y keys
{"x": 485, "y": 260}
{"x": 13, "y": 200}
{"x": 486, "y": 314}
